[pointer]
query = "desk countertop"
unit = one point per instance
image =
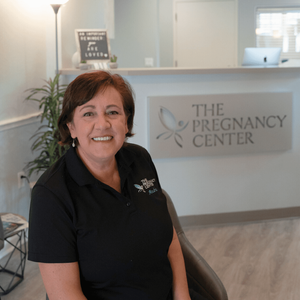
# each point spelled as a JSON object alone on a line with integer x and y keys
{"x": 187, "y": 71}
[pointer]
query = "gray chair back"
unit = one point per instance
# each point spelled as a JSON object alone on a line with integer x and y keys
{"x": 1, "y": 235}
{"x": 201, "y": 277}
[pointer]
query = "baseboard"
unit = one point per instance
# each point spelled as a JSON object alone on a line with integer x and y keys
{"x": 240, "y": 217}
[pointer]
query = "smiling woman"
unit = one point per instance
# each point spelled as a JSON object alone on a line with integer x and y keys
{"x": 84, "y": 88}
{"x": 99, "y": 222}
{"x": 99, "y": 123}
{"x": 100, "y": 127}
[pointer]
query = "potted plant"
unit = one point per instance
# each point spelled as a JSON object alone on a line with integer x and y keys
{"x": 83, "y": 65}
{"x": 47, "y": 135}
{"x": 113, "y": 62}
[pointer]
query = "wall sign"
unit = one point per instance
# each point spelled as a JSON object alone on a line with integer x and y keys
{"x": 181, "y": 126}
{"x": 93, "y": 45}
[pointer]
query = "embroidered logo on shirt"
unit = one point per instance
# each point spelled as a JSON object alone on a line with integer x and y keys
{"x": 140, "y": 188}
{"x": 146, "y": 184}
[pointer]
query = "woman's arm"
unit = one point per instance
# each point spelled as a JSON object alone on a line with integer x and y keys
{"x": 62, "y": 281}
{"x": 180, "y": 286}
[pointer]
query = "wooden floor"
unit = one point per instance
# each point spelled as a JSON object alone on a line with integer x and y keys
{"x": 259, "y": 261}
{"x": 31, "y": 288}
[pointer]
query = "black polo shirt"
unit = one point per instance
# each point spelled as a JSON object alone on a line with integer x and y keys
{"x": 120, "y": 241}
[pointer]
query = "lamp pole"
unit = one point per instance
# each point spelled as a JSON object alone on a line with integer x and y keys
{"x": 56, "y": 8}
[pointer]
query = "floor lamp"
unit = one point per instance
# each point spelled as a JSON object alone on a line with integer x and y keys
{"x": 56, "y": 4}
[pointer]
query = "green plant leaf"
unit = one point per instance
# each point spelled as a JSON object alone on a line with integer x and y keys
{"x": 46, "y": 138}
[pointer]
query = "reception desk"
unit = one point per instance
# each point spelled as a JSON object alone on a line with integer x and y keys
{"x": 222, "y": 184}
{"x": 188, "y": 71}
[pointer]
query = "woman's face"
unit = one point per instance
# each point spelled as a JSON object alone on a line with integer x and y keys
{"x": 100, "y": 125}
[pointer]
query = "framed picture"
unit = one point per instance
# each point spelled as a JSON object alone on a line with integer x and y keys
{"x": 93, "y": 45}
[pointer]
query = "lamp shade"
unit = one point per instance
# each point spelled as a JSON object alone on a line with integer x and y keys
{"x": 58, "y": 1}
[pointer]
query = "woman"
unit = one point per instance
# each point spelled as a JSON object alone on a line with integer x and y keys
{"x": 99, "y": 224}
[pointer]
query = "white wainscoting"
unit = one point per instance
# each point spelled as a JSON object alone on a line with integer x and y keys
{"x": 20, "y": 121}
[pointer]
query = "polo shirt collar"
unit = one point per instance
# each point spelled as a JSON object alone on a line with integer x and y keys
{"x": 77, "y": 169}
{"x": 82, "y": 175}
{"x": 125, "y": 157}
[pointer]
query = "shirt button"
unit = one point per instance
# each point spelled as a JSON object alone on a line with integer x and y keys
{"x": 128, "y": 204}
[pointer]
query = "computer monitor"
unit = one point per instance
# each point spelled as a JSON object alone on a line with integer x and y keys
{"x": 261, "y": 57}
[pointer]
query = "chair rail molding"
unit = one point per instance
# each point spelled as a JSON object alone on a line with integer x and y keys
{"x": 19, "y": 121}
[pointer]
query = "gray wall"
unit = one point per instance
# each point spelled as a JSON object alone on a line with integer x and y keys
{"x": 27, "y": 58}
{"x": 148, "y": 34}
{"x": 78, "y": 14}
{"x": 166, "y": 33}
{"x": 136, "y": 39}
{"x": 15, "y": 152}
{"x": 143, "y": 29}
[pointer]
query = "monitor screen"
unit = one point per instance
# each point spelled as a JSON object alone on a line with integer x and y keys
{"x": 261, "y": 57}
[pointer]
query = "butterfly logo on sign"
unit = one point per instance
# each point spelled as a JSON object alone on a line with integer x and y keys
{"x": 170, "y": 123}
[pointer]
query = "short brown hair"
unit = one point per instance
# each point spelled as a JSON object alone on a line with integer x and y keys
{"x": 83, "y": 88}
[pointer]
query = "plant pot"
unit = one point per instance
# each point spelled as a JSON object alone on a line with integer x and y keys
{"x": 113, "y": 65}
{"x": 84, "y": 66}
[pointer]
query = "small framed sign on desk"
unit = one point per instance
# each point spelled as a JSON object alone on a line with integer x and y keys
{"x": 93, "y": 45}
